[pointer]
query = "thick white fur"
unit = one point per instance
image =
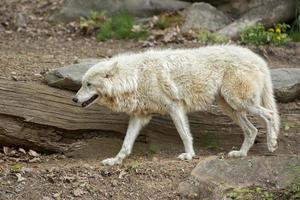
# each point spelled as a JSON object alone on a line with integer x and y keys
{"x": 176, "y": 82}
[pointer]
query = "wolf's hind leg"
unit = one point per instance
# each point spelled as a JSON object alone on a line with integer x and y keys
{"x": 180, "y": 120}
{"x": 268, "y": 117}
{"x": 136, "y": 123}
{"x": 241, "y": 119}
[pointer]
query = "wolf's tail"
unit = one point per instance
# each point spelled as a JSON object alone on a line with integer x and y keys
{"x": 268, "y": 101}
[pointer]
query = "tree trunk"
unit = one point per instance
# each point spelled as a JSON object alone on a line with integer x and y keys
{"x": 44, "y": 118}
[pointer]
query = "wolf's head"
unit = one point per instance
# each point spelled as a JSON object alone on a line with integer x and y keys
{"x": 97, "y": 83}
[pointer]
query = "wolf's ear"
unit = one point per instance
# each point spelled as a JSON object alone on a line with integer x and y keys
{"x": 113, "y": 70}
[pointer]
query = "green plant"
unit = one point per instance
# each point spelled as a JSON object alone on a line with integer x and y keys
{"x": 105, "y": 31}
{"x": 293, "y": 191}
{"x": 167, "y": 20}
{"x": 258, "y": 35}
{"x": 295, "y": 36}
{"x": 119, "y": 26}
{"x": 153, "y": 149}
{"x": 16, "y": 168}
{"x": 206, "y": 37}
{"x": 250, "y": 194}
{"x": 134, "y": 165}
{"x": 241, "y": 194}
{"x": 122, "y": 24}
{"x": 296, "y": 23}
{"x": 295, "y": 30}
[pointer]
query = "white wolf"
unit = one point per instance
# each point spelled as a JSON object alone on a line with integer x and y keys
{"x": 176, "y": 82}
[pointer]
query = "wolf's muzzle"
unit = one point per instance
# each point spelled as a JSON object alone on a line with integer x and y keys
{"x": 75, "y": 99}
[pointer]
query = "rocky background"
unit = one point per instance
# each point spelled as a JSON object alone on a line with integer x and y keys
{"x": 226, "y": 17}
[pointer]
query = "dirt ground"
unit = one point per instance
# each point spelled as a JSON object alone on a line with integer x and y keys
{"x": 26, "y": 53}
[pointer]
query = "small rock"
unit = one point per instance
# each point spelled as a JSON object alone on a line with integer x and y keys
{"x": 26, "y": 170}
{"x": 69, "y": 77}
{"x": 20, "y": 20}
{"x": 154, "y": 159}
{"x": 56, "y": 195}
{"x": 78, "y": 192}
{"x": 114, "y": 183}
{"x": 33, "y": 153}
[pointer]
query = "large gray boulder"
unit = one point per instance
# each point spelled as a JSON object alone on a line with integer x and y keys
{"x": 73, "y": 9}
{"x": 286, "y": 81}
{"x": 203, "y": 16}
{"x": 69, "y": 77}
{"x": 213, "y": 178}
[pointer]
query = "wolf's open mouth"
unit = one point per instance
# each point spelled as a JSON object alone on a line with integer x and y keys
{"x": 89, "y": 101}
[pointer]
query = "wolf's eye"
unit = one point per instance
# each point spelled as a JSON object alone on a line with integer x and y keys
{"x": 106, "y": 76}
{"x": 88, "y": 84}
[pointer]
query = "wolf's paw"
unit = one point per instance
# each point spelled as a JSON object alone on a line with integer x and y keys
{"x": 272, "y": 145}
{"x": 186, "y": 156}
{"x": 111, "y": 161}
{"x": 232, "y": 154}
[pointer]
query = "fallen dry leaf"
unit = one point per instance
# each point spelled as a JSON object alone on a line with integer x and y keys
{"x": 22, "y": 150}
{"x": 7, "y": 150}
{"x": 20, "y": 178}
{"x": 34, "y": 160}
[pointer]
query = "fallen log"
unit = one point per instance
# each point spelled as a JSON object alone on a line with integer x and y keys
{"x": 43, "y": 118}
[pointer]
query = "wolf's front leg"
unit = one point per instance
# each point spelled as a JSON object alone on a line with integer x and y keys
{"x": 179, "y": 117}
{"x": 136, "y": 123}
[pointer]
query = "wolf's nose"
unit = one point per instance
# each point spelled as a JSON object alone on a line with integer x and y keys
{"x": 75, "y": 99}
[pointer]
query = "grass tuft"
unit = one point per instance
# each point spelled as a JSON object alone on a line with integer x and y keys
{"x": 119, "y": 26}
{"x": 207, "y": 37}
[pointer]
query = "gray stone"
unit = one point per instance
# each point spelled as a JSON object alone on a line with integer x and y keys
{"x": 203, "y": 16}
{"x": 286, "y": 83}
{"x": 73, "y": 9}
{"x": 20, "y": 20}
{"x": 69, "y": 77}
{"x": 234, "y": 29}
{"x": 212, "y": 178}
